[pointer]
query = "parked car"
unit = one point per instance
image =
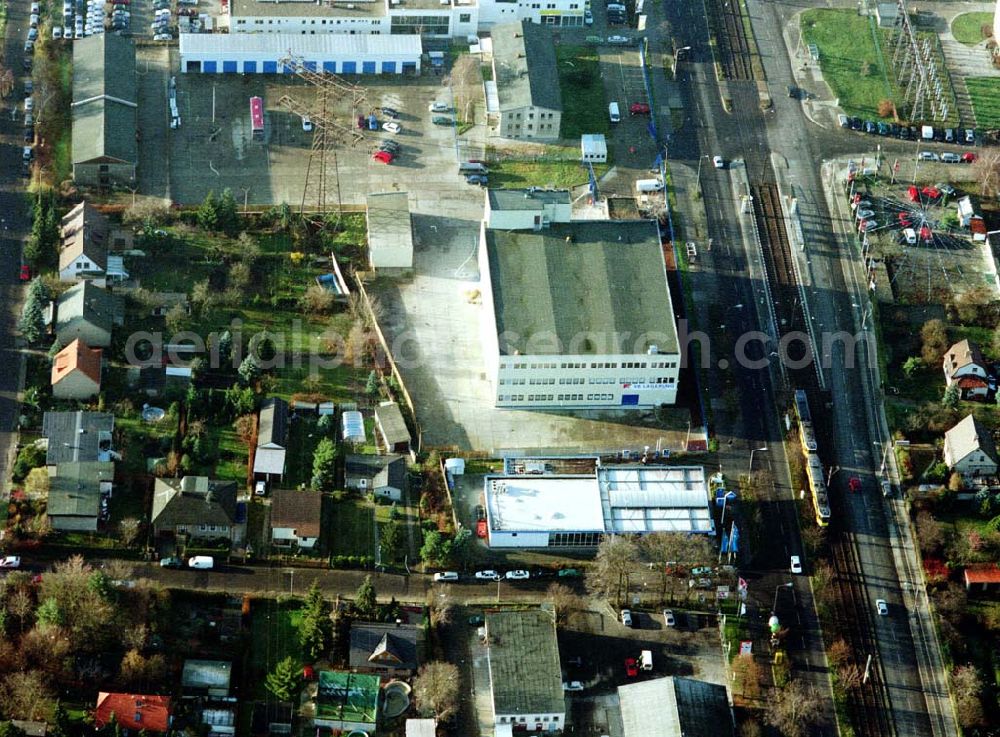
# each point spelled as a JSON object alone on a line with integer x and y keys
{"x": 796, "y": 564}
{"x": 568, "y": 573}
{"x": 572, "y": 686}
{"x": 445, "y": 576}
{"x": 626, "y": 616}
{"x": 517, "y": 575}
{"x": 638, "y": 108}
{"x": 909, "y": 234}
{"x": 441, "y": 120}
{"x": 25, "y": 273}
{"x": 390, "y": 112}
{"x": 619, "y": 40}
{"x": 32, "y": 34}
{"x": 171, "y": 562}
{"x": 631, "y": 668}
{"x": 882, "y": 129}
{"x": 951, "y": 158}
{"x": 927, "y": 156}
{"x": 439, "y": 107}
{"x": 588, "y": 18}
{"x": 29, "y": 135}
{"x": 854, "y": 484}
{"x": 718, "y": 162}
{"x": 57, "y": 32}
{"x": 477, "y": 620}
{"x": 10, "y": 561}
{"x": 480, "y": 179}
{"x": 668, "y": 618}
{"x": 870, "y": 127}
{"x": 391, "y": 126}
{"x": 945, "y": 188}
{"x": 201, "y": 562}
{"x": 949, "y": 135}
{"x": 856, "y": 124}
{"x": 260, "y": 488}
{"x": 27, "y": 153}
{"x": 701, "y": 571}
{"x": 968, "y": 157}
{"x": 385, "y": 157}
{"x": 488, "y": 575}
{"x": 389, "y": 145}
{"x": 882, "y": 607}
{"x": 307, "y": 124}
{"x": 969, "y": 136}
{"x": 864, "y": 214}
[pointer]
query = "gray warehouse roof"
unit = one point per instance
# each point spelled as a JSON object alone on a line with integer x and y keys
{"x": 524, "y": 58}
{"x": 277, "y": 44}
{"x": 77, "y": 436}
{"x": 104, "y": 98}
{"x": 272, "y": 9}
{"x": 525, "y": 674}
{"x": 594, "y": 287}
{"x": 389, "y": 222}
{"x": 684, "y": 707}
{"x": 527, "y": 199}
{"x": 75, "y": 490}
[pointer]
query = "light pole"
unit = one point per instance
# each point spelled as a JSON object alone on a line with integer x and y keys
{"x": 778, "y": 588}
{"x": 762, "y": 450}
{"x": 673, "y": 68}
{"x": 703, "y": 157}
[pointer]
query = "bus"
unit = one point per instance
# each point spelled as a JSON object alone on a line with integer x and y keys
{"x": 257, "y": 118}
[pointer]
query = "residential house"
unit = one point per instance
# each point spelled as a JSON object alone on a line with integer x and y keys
{"x": 75, "y": 491}
{"x": 348, "y": 701}
{"x": 105, "y": 133}
{"x": 271, "y": 718}
{"x": 295, "y": 518}
{"x": 87, "y": 236}
{"x": 684, "y": 707}
{"x": 272, "y": 436}
{"x": 522, "y": 656}
{"x": 86, "y": 312}
{"x": 964, "y": 364}
{"x": 197, "y": 507}
{"x": 211, "y": 678}
{"x": 390, "y": 649}
{"x": 78, "y": 436}
{"x": 523, "y": 99}
{"x": 982, "y": 578}
{"x": 136, "y": 712}
{"x": 76, "y": 371}
{"x": 385, "y": 476}
{"x": 390, "y": 230}
{"x": 969, "y": 449}
{"x": 391, "y": 428}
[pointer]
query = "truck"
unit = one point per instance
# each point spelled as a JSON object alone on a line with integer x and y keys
{"x": 472, "y": 167}
{"x": 648, "y": 185}
{"x": 646, "y": 660}
{"x": 614, "y": 113}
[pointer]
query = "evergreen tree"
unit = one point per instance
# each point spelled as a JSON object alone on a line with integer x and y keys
{"x": 37, "y": 290}
{"x": 314, "y": 631}
{"x": 228, "y": 218}
{"x": 59, "y": 727}
{"x": 208, "y": 212}
{"x": 49, "y": 614}
{"x": 249, "y": 370}
{"x": 32, "y": 322}
{"x": 283, "y": 681}
{"x": 390, "y": 541}
{"x": 365, "y": 600}
{"x": 324, "y": 465}
{"x": 55, "y": 348}
{"x": 371, "y": 386}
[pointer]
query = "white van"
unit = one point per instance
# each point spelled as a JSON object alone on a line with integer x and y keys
{"x": 202, "y": 562}
{"x": 648, "y": 185}
{"x": 444, "y": 576}
{"x": 927, "y": 132}
{"x": 950, "y": 158}
{"x": 614, "y": 113}
{"x": 910, "y": 235}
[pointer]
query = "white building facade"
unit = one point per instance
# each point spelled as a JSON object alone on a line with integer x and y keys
{"x": 527, "y": 209}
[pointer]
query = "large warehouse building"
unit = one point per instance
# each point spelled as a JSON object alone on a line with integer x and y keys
{"x": 546, "y": 511}
{"x": 578, "y": 315}
{"x": 218, "y": 53}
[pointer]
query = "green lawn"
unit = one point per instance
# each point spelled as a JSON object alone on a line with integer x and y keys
{"x": 353, "y": 528}
{"x": 967, "y": 28}
{"x": 985, "y": 95}
{"x": 274, "y": 633}
{"x": 303, "y": 436}
{"x": 585, "y": 108}
{"x": 851, "y": 62}
{"x": 560, "y": 174}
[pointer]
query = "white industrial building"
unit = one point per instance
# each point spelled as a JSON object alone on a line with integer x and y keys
{"x": 523, "y": 100}
{"x": 390, "y": 230}
{"x": 219, "y": 53}
{"x": 431, "y": 18}
{"x": 547, "y": 510}
{"x": 578, "y": 315}
{"x": 527, "y": 209}
{"x": 593, "y": 148}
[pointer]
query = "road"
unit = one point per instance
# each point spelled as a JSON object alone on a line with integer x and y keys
{"x": 15, "y": 225}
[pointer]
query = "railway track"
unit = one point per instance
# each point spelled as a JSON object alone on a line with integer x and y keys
{"x": 733, "y": 48}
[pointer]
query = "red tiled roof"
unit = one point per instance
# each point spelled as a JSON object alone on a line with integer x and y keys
{"x": 133, "y": 711}
{"x": 972, "y": 382}
{"x": 986, "y": 574}
{"x": 77, "y": 356}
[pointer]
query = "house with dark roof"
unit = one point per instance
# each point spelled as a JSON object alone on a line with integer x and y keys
{"x": 295, "y": 518}
{"x": 78, "y": 436}
{"x": 390, "y": 649}
{"x": 684, "y": 707}
{"x": 522, "y": 656}
{"x": 76, "y": 371}
{"x": 88, "y": 313}
{"x": 523, "y": 99}
{"x": 969, "y": 448}
{"x": 84, "y": 249}
{"x": 133, "y": 711}
{"x": 211, "y": 678}
{"x": 391, "y": 428}
{"x": 75, "y": 491}
{"x": 384, "y": 475}
{"x": 105, "y": 133}
{"x": 197, "y": 507}
{"x": 964, "y": 365}
{"x": 272, "y": 436}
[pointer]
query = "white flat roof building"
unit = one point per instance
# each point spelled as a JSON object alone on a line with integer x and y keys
{"x": 539, "y": 511}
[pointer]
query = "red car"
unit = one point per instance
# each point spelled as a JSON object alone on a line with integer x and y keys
{"x": 631, "y": 669}
{"x": 25, "y": 274}
{"x": 854, "y": 484}
{"x": 968, "y": 157}
{"x": 638, "y": 108}
{"x": 361, "y": 122}
{"x": 384, "y": 156}
{"x": 482, "y": 531}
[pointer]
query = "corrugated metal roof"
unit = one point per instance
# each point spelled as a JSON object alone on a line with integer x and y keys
{"x": 278, "y": 45}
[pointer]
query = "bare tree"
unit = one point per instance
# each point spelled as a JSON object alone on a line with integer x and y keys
{"x": 436, "y": 689}
{"x": 467, "y": 82}
{"x": 968, "y": 688}
{"x": 794, "y": 709}
{"x": 665, "y": 550}
{"x": 440, "y": 607}
{"x": 136, "y": 637}
{"x": 119, "y": 570}
{"x": 565, "y": 602}
{"x": 128, "y": 530}
{"x": 21, "y": 606}
{"x": 840, "y": 653}
{"x": 317, "y": 300}
{"x": 986, "y": 170}
{"x": 610, "y": 575}
{"x": 25, "y": 695}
